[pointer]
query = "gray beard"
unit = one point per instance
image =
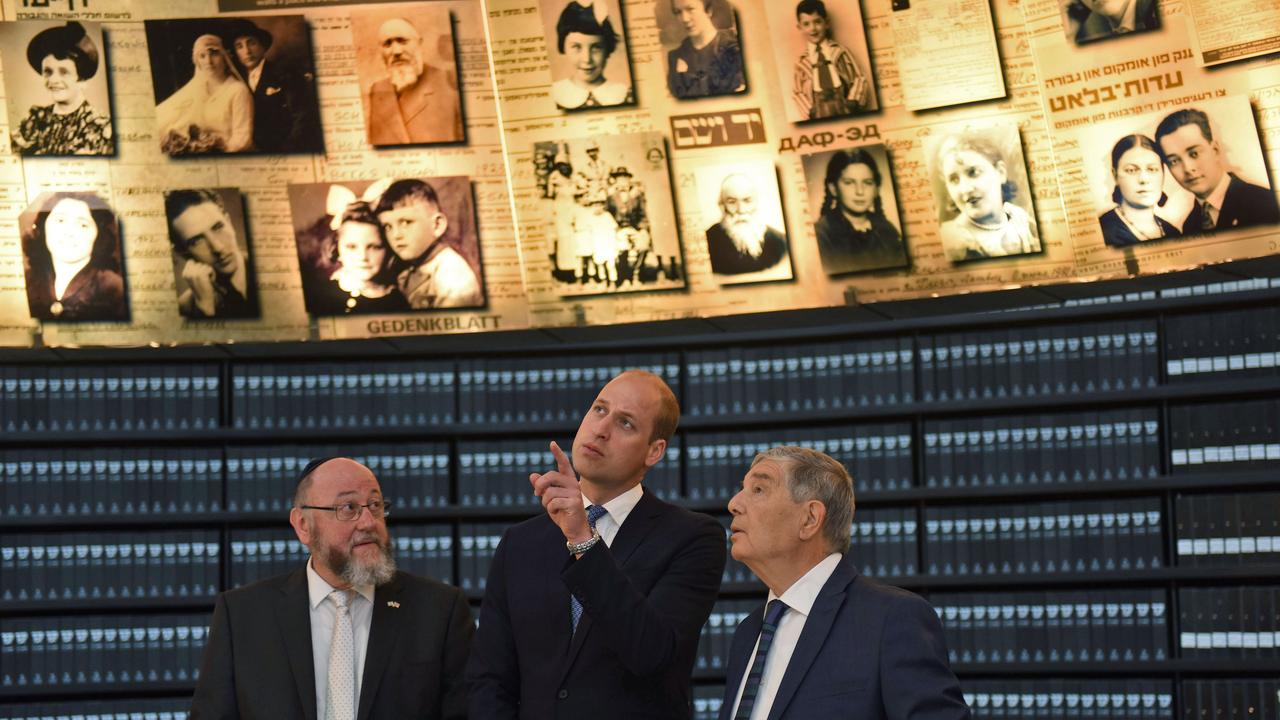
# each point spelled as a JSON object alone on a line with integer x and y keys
{"x": 356, "y": 572}
{"x": 403, "y": 76}
{"x": 747, "y": 235}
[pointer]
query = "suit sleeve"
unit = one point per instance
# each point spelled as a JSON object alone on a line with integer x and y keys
{"x": 494, "y": 671}
{"x": 215, "y": 696}
{"x": 916, "y": 680}
{"x": 650, "y": 632}
{"x": 457, "y": 644}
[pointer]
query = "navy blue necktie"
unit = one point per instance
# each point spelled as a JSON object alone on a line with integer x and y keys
{"x": 594, "y": 513}
{"x": 772, "y": 614}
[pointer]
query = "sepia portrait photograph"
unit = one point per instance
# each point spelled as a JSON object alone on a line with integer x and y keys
{"x": 1087, "y": 21}
{"x": 981, "y": 192}
{"x": 702, "y": 46}
{"x": 73, "y": 259}
{"x": 387, "y": 246}
{"x": 820, "y": 48}
{"x": 56, "y": 88}
{"x": 407, "y": 63}
{"x": 741, "y": 213}
{"x": 234, "y": 85}
{"x": 612, "y": 222}
{"x": 1178, "y": 173}
{"x": 587, "y": 51}
{"x": 212, "y": 266}
{"x": 855, "y": 210}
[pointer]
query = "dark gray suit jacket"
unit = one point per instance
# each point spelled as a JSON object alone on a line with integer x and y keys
{"x": 258, "y": 661}
{"x": 867, "y": 652}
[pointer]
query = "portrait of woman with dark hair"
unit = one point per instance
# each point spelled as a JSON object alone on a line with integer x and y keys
{"x": 364, "y": 278}
{"x": 708, "y": 61}
{"x": 66, "y": 58}
{"x": 72, "y": 260}
{"x": 1139, "y": 176}
{"x": 586, "y": 40}
{"x": 973, "y": 181}
{"x": 854, "y": 233}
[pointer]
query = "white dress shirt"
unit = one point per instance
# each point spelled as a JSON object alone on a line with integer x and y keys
{"x": 799, "y": 599}
{"x": 323, "y": 613}
{"x": 618, "y": 509}
{"x": 1213, "y": 203}
{"x": 255, "y": 75}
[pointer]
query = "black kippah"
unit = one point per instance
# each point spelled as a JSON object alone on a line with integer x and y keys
{"x": 311, "y": 466}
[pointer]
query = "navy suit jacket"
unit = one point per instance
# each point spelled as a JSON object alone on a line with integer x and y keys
{"x": 867, "y": 652}
{"x": 1244, "y": 205}
{"x": 645, "y": 599}
{"x": 258, "y": 662}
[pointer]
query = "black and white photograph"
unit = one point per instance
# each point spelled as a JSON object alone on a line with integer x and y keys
{"x": 981, "y": 192}
{"x": 821, "y": 47}
{"x": 73, "y": 259}
{"x": 612, "y": 227}
{"x": 212, "y": 265}
{"x": 855, "y": 210}
{"x": 703, "y": 48}
{"x": 387, "y": 246}
{"x": 406, "y": 60}
{"x": 587, "y": 51}
{"x": 56, "y": 87}
{"x": 745, "y": 231}
{"x": 1194, "y": 171}
{"x": 234, "y": 85}
{"x": 1087, "y": 21}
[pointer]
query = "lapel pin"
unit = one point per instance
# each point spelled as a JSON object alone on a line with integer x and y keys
{"x": 393, "y": 604}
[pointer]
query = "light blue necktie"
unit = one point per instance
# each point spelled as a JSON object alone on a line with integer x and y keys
{"x": 594, "y": 513}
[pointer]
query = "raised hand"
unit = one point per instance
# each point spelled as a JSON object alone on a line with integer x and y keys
{"x": 562, "y": 498}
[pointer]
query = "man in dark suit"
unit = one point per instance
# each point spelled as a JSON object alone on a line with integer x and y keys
{"x": 416, "y": 102}
{"x": 1223, "y": 201}
{"x": 285, "y": 118}
{"x": 347, "y": 637}
{"x": 741, "y": 242}
{"x": 829, "y": 643}
{"x": 593, "y": 608}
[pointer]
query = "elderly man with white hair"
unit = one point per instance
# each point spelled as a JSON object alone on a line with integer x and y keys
{"x": 742, "y": 242}
{"x": 416, "y": 103}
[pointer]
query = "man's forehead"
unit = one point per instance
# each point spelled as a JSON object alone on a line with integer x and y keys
{"x": 202, "y": 215}
{"x": 397, "y": 29}
{"x": 631, "y": 394}
{"x": 342, "y": 476}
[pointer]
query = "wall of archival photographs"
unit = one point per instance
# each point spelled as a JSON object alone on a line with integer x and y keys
{"x": 608, "y": 161}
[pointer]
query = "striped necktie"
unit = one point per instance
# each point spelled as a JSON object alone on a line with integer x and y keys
{"x": 594, "y": 513}
{"x": 772, "y": 614}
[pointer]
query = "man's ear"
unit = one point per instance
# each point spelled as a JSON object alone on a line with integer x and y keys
{"x": 439, "y": 224}
{"x": 815, "y": 516}
{"x": 301, "y": 526}
{"x": 657, "y": 449}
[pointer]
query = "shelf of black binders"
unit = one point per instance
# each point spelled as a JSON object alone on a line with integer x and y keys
{"x": 1086, "y": 497}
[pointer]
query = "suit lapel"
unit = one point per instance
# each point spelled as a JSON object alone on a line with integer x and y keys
{"x": 293, "y": 616}
{"x": 419, "y": 99}
{"x": 744, "y": 640}
{"x": 816, "y": 628}
{"x": 643, "y": 518}
{"x": 384, "y": 635}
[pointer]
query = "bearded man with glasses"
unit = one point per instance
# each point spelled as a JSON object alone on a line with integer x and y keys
{"x": 347, "y": 636}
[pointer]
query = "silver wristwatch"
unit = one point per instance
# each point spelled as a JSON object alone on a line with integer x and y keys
{"x": 585, "y": 545}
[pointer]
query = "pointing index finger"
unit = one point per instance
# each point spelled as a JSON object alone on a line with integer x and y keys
{"x": 562, "y": 461}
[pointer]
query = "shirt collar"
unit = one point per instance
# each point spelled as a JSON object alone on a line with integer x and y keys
{"x": 620, "y": 507}
{"x": 1128, "y": 21}
{"x": 803, "y": 593}
{"x": 1219, "y": 193}
{"x": 318, "y": 589}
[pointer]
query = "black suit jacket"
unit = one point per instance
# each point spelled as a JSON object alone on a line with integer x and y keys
{"x": 285, "y": 117}
{"x": 645, "y": 600}
{"x": 258, "y": 662}
{"x": 867, "y": 652}
{"x": 726, "y": 259}
{"x": 1244, "y": 205}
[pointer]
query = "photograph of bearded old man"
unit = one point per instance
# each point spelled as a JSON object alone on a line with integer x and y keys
{"x": 745, "y": 231}
{"x": 407, "y": 65}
